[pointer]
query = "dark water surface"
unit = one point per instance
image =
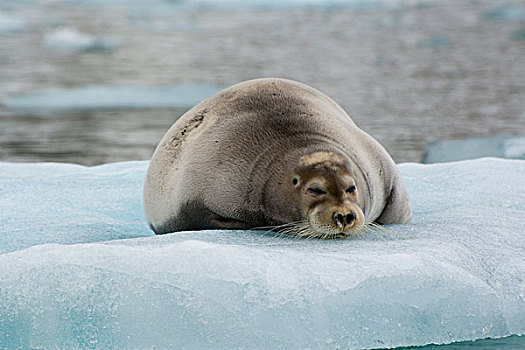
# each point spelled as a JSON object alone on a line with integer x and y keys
{"x": 407, "y": 71}
{"x": 513, "y": 342}
{"x": 84, "y": 137}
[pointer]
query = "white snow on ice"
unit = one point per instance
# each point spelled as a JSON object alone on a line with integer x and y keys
{"x": 456, "y": 273}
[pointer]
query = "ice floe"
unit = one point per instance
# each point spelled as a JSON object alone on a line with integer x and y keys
{"x": 10, "y": 23}
{"x": 69, "y": 40}
{"x": 182, "y": 95}
{"x": 504, "y": 146}
{"x": 455, "y": 273}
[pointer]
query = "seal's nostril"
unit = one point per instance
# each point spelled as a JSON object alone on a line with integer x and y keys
{"x": 339, "y": 218}
{"x": 349, "y": 218}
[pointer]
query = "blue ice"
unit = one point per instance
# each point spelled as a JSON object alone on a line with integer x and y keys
{"x": 80, "y": 269}
{"x": 182, "y": 95}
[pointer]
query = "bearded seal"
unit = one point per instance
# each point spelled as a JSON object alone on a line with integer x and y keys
{"x": 272, "y": 153}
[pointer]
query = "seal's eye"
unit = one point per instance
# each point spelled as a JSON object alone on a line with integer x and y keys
{"x": 316, "y": 191}
{"x": 295, "y": 181}
{"x": 351, "y": 189}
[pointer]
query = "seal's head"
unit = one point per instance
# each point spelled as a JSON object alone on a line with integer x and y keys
{"x": 324, "y": 195}
{"x": 328, "y": 195}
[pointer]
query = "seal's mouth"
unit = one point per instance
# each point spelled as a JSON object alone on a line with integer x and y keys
{"x": 328, "y": 231}
{"x": 337, "y": 225}
{"x": 341, "y": 235}
{"x": 329, "y": 235}
{"x": 308, "y": 230}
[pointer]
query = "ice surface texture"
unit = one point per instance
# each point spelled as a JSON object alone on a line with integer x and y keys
{"x": 456, "y": 273}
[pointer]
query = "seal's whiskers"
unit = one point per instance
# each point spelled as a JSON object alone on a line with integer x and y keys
{"x": 381, "y": 231}
{"x": 282, "y": 230}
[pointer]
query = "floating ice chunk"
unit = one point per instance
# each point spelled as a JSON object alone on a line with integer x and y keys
{"x": 10, "y": 23}
{"x": 113, "y": 97}
{"x": 70, "y": 40}
{"x": 518, "y": 34}
{"x": 476, "y": 147}
{"x": 455, "y": 273}
{"x": 514, "y": 147}
{"x": 352, "y": 4}
{"x": 435, "y": 42}
{"x": 506, "y": 12}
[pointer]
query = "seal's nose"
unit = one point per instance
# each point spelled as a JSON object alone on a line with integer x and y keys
{"x": 349, "y": 218}
{"x": 343, "y": 219}
{"x": 339, "y": 219}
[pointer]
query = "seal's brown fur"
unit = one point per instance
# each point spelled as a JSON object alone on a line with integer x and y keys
{"x": 230, "y": 161}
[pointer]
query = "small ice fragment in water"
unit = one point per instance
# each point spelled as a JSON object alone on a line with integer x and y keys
{"x": 518, "y": 34}
{"x": 10, "y": 23}
{"x": 506, "y": 12}
{"x": 515, "y": 148}
{"x": 435, "y": 42}
{"x": 183, "y": 95}
{"x": 70, "y": 40}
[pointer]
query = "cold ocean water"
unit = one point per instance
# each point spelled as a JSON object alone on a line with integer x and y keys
{"x": 93, "y": 82}
{"x": 100, "y": 81}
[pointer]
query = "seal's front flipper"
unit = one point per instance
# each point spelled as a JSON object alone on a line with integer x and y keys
{"x": 221, "y": 222}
